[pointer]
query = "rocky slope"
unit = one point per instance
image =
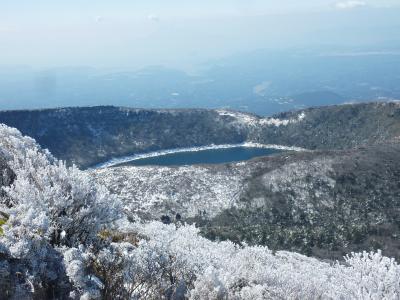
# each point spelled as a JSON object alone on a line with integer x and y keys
{"x": 87, "y": 136}
{"x": 322, "y": 203}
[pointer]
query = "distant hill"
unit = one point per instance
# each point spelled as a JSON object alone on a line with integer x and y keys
{"x": 262, "y": 82}
{"x": 317, "y": 97}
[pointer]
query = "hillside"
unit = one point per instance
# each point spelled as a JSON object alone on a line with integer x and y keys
{"x": 322, "y": 203}
{"x": 88, "y": 136}
{"x": 64, "y": 236}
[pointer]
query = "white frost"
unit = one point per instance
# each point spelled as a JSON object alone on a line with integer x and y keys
{"x": 251, "y": 120}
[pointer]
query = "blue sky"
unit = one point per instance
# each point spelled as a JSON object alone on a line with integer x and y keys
{"x": 129, "y": 33}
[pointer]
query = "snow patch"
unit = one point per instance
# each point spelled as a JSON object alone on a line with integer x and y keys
{"x": 189, "y": 190}
{"x": 282, "y": 122}
{"x": 251, "y": 120}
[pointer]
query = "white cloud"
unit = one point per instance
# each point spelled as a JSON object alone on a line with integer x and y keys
{"x": 153, "y": 18}
{"x": 99, "y": 19}
{"x": 6, "y": 29}
{"x": 350, "y": 4}
{"x": 262, "y": 88}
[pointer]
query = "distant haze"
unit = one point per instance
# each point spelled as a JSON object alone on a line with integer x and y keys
{"x": 134, "y": 34}
{"x": 255, "y": 55}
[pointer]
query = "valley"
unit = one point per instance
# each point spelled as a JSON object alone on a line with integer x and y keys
{"x": 90, "y": 136}
{"x": 312, "y": 203}
{"x": 200, "y": 150}
{"x": 332, "y": 195}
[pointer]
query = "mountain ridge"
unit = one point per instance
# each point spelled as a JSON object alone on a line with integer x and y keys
{"x": 92, "y": 135}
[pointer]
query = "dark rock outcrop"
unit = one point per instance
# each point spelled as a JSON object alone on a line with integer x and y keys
{"x": 7, "y": 177}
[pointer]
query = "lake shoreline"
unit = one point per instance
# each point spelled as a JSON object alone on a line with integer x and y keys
{"x": 126, "y": 159}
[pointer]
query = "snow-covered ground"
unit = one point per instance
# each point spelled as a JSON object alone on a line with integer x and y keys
{"x": 207, "y": 190}
{"x": 251, "y": 120}
{"x": 187, "y": 190}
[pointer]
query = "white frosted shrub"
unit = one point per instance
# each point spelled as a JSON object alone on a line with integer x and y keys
{"x": 52, "y": 205}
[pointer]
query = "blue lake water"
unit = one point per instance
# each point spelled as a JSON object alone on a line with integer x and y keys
{"x": 213, "y": 156}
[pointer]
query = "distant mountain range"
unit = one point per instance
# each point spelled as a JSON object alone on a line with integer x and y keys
{"x": 261, "y": 82}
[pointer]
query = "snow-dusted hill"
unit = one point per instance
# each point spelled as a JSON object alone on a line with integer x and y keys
{"x": 324, "y": 203}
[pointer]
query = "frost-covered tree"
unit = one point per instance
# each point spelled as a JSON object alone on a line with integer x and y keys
{"x": 51, "y": 205}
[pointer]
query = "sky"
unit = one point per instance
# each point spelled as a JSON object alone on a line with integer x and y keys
{"x": 182, "y": 33}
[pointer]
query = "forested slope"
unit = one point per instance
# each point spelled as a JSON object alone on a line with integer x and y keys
{"x": 87, "y": 136}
